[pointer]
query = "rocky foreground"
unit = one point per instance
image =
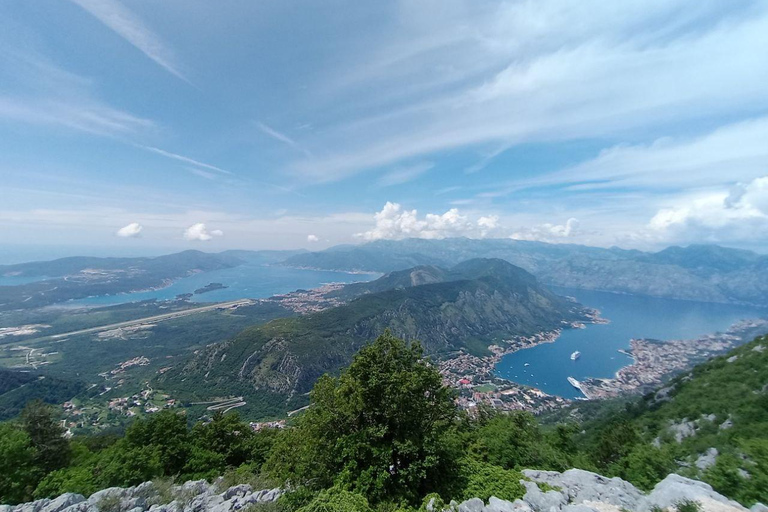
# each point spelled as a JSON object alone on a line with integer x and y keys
{"x": 575, "y": 490}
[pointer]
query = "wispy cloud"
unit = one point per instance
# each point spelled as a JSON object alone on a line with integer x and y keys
{"x": 401, "y": 175}
{"x": 127, "y": 25}
{"x": 282, "y": 138}
{"x": 544, "y": 78}
{"x": 184, "y": 159}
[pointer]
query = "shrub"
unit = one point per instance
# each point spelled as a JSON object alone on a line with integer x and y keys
{"x": 338, "y": 500}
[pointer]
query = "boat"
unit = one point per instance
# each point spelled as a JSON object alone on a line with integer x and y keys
{"x": 574, "y": 383}
{"x": 575, "y": 355}
{"x": 527, "y": 364}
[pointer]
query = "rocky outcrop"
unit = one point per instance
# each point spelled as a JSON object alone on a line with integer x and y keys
{"x": 574, "y": 490}
{"x": 193, "y": 496}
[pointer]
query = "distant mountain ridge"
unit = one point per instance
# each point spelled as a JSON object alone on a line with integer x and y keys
{"x": 698, "y": 272}
{"x": 466, "y": 308}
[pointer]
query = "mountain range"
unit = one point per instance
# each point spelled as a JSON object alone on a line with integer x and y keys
{"x": 707, "y": 273}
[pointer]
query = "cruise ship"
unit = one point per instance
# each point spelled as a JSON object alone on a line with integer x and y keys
{"x": 575, "y": 355}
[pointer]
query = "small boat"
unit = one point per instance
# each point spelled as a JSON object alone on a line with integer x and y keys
{"x": 573, "y": 382}
{"x": 527, "y": 364}
{"x": 575, "y": 355}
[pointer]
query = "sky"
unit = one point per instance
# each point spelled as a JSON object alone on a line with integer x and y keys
{"x": 145, "y": 126}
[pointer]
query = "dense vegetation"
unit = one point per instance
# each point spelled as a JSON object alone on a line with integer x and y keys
{"x": 385, "y": 435}
{"x": 19, "y": 388}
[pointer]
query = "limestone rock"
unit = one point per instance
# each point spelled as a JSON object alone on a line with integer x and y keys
{"x": 676, "y": 488}
{"x": 707, "y": 459}
{"x": 472, "y": 505}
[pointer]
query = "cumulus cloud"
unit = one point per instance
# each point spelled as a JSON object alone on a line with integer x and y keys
{"x": 312, "y": 238}
{"x": 132, "y": 230}
{"x": 200, "y": 232}
{"x": 549, "y": 232}
{"x": 738, "y": 215}
{"x": 395, "y": 223}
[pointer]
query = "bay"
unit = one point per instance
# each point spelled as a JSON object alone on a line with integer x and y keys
{"x": 548, "y": 366}
{"x": 247, "y": 281}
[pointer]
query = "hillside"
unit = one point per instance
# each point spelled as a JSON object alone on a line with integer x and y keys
{"x": 698, "y": 272}
{"x": 466, "y": 308}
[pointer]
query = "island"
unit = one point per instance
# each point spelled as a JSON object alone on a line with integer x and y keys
{"x": 210, "y": 287}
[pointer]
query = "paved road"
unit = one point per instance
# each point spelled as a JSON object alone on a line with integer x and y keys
{"x": 149, "y": 319}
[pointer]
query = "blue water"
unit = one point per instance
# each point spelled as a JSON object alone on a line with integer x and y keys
{"x": 251, "y": 280}
{"x": 630, "y": 317}
{"x": 17, "y": 280}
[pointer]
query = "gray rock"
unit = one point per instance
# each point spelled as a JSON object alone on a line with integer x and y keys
{"x": 497, "y": 505}
{"x": 732, "y": 359}
{"x": 708, "y": 459}
{"x": 758, "y": 507}
{"x": 238, "y": 490}
{"x": 63, "y": 501}
{"x": 549, "y": 501}
{"x": 33, "y": 506}
{"x": 726, "y": 424}
{"x": 683, "y": 429}
{"x": 577, "y": 508}
{"x": 110, "y": 493}
{"x": 473, "y": 505}
{"x": 578, "y": 486}
{"x": 6, "y": 508}
{"x": 676, "y": 488}
{"x": 83, "y": 506}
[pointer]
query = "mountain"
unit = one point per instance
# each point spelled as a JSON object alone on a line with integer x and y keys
{"x": 698, "y": 272}
{"x": 77, "y": 277}
{"x": 467, "y": 308}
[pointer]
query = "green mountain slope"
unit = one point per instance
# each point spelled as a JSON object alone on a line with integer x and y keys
{"x": 476, "y": 303}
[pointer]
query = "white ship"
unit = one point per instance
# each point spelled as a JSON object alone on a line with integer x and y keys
{"x": 574, "y": 383}
{"x": 575, "y": 355}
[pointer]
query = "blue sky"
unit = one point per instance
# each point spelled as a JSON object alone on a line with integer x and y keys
{"x": 143, "y": 125}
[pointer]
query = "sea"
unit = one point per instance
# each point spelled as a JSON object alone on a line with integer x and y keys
{"x": 548, "y": 366}
{"x": 250, "y": 280}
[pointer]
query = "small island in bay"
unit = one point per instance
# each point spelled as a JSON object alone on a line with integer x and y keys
{"x": 210, "y": 287}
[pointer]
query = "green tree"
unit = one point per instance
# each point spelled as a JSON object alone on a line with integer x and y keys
{"x": 18, "y": 473}
{"x": 167, "y": 433}
{"x": 226, "y": 435}
{"x": 47, "y": 436}
{"x": 381, "y": 429}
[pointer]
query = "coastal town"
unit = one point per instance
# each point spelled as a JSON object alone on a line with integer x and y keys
{"x": 655, "y": 361}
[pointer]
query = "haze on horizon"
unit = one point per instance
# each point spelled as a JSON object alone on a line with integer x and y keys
{"x": 147, "y": 127}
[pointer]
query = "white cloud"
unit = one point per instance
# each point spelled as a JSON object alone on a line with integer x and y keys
{"x": 132, "y": 230}
{"x": 127, "y": 25}
{"x": 282, "y": 138}
{"x": 312, "y": 238}
{"x": 184, "y": 159}
{"x": 521, "y": 72}
{"x": 736, "y": 216}
{"x": 549, "y": 232}
{"x": 734, "y": 152}
{"x": 401, "y": 175}
{"x": 395, "y": 223}
{"x": 53, "y": 96}
{"x": 200, "y": 233}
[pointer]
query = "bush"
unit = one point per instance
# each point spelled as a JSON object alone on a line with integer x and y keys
{"x": 483, "y": 480}
{"x": 337, "y": 500}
